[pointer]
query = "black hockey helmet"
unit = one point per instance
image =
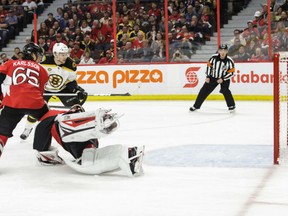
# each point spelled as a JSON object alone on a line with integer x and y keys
{"x": 31, "y": 48}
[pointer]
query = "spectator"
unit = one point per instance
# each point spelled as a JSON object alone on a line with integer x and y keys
{"x": 86, "y": 58}
{"x": 19, "y": 12}
{"x": 154, "y": 10}
{"x": 40, "y": 6}
{"x": 15, "y": 56}
{"x": 43, "y": 31}
{"x": 187, "y": 47}
{"x": 60, "y": 18}
{"x": 108, "y": 58}
{"x": 4, "y": 32}
{"x": 182, "y": 7}
{"x": 157, "y": 43}
{"x": 42, "y": 43}
{"x": 127, "y": 52}
{"x": 78, "y": 34}
{"x": 179, "y": 57}
{"x": 87, "y": 44}
{"x": 85, "y": 28}
{"x": 89, "y": 19}
{"x": 259, "y": 22}
{"x": 121, "y": 32}
{"x": 190, "y": 13}
{"x": 104, "y": 19}
{"x": 233, "y": 49}
{"x": 28, "y": 40}
{"x": 284, "y": 18}
{"x": 58, "y": 39}
{"x": 72, "y": 26}
{"x": 145, "y": 53}
{"x": 12, "y": 22}
{"x": 258, "y": 56}
{"x": 249, "y": 30}
{"x": 197, "y": 9}
{"x": 160, "y": 53}
{"x": 251, "y": 47}
{"x": 133, "y": 34}
{"x": 242, "y": 55}
{"x": 30, "y": 7}
{"x": 76, "y": 52}
{"x": 174, "y": 17}
{"x": 138, "y": 42}
{"x": 284, "y": 6}
{"x": 50, "y": 20}
{"x": 57, "y": 28}
{"x": 4, "y": 58}
{"x": 102, "y": 35}
{"x": 237, "y": 35}
{"x": 195, "y": 28}
{"x": 65, "y": 20}
{"x": 274, "y": 5}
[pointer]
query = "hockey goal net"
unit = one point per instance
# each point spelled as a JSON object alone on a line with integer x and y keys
{"x": 280, "y": 108}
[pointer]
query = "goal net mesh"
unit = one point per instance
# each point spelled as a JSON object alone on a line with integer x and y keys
{"x": 283, "y": 108}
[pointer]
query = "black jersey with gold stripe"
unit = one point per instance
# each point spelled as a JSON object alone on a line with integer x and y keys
{"x": 59, "y": 75}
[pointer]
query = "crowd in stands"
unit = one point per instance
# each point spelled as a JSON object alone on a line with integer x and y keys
{"x": 252, "y": 43}
{"x": 87, "y": 27}
{"x": 15, "y": 15}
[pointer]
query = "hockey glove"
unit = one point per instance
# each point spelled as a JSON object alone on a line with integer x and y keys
{"x": 81, "y": 93}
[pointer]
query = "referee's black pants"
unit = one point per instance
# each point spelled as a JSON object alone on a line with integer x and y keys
{"x": 207, "y": 88}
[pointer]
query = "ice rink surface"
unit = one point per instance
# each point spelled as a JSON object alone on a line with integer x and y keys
{"x": 205, "y": 163}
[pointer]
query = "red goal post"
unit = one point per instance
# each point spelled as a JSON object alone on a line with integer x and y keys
{"x": 280, "y": 92}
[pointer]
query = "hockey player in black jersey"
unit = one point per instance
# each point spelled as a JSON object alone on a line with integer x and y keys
{"x": 62, "y": 80}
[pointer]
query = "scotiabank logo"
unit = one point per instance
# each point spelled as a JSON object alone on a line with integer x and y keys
{"x": 253, "y": 77}
{"x": 118, "y": 77}
{"x": 191, "y": 77}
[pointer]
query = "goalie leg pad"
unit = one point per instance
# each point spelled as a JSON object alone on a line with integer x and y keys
{"x": 95, "y": 161}
{"x": 131, "y": 161}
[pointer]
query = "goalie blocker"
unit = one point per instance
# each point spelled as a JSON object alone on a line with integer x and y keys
{"x": 78, "y": 132}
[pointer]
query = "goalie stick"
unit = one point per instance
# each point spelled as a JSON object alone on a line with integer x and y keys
{"x": 74, "y": 94}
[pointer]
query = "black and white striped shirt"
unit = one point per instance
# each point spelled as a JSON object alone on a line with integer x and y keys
{"x": 220, "y": 68}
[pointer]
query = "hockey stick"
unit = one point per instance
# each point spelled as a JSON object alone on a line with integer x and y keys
{"x": 74, "y": 94}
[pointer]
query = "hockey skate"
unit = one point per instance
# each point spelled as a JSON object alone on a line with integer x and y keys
{"x": 231, "y": 109}
{"x": 26, "y": 133}
{"x": 192, "y": 109}
{"x": 136, "y": 158}
{"x": 50, "y": 157}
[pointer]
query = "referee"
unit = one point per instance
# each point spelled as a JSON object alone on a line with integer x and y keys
{"x": 220, "y": 69}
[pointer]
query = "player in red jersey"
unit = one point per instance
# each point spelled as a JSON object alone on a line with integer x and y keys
{"x": 22, "y": 89}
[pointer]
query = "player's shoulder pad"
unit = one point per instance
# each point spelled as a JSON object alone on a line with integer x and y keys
{"x": 47, "y": 60}
{"x": 70, "y": 64}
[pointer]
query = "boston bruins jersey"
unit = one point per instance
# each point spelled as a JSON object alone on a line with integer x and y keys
{"x": 59, "y": 75}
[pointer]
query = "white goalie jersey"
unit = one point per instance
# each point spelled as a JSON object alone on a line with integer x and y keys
{"x": 59, "y": 76}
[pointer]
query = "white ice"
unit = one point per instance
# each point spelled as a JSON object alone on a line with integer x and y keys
{"x": 205, "y": 163}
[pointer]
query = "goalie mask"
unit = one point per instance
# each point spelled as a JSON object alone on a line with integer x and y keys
{"x": 81, "y": 127}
